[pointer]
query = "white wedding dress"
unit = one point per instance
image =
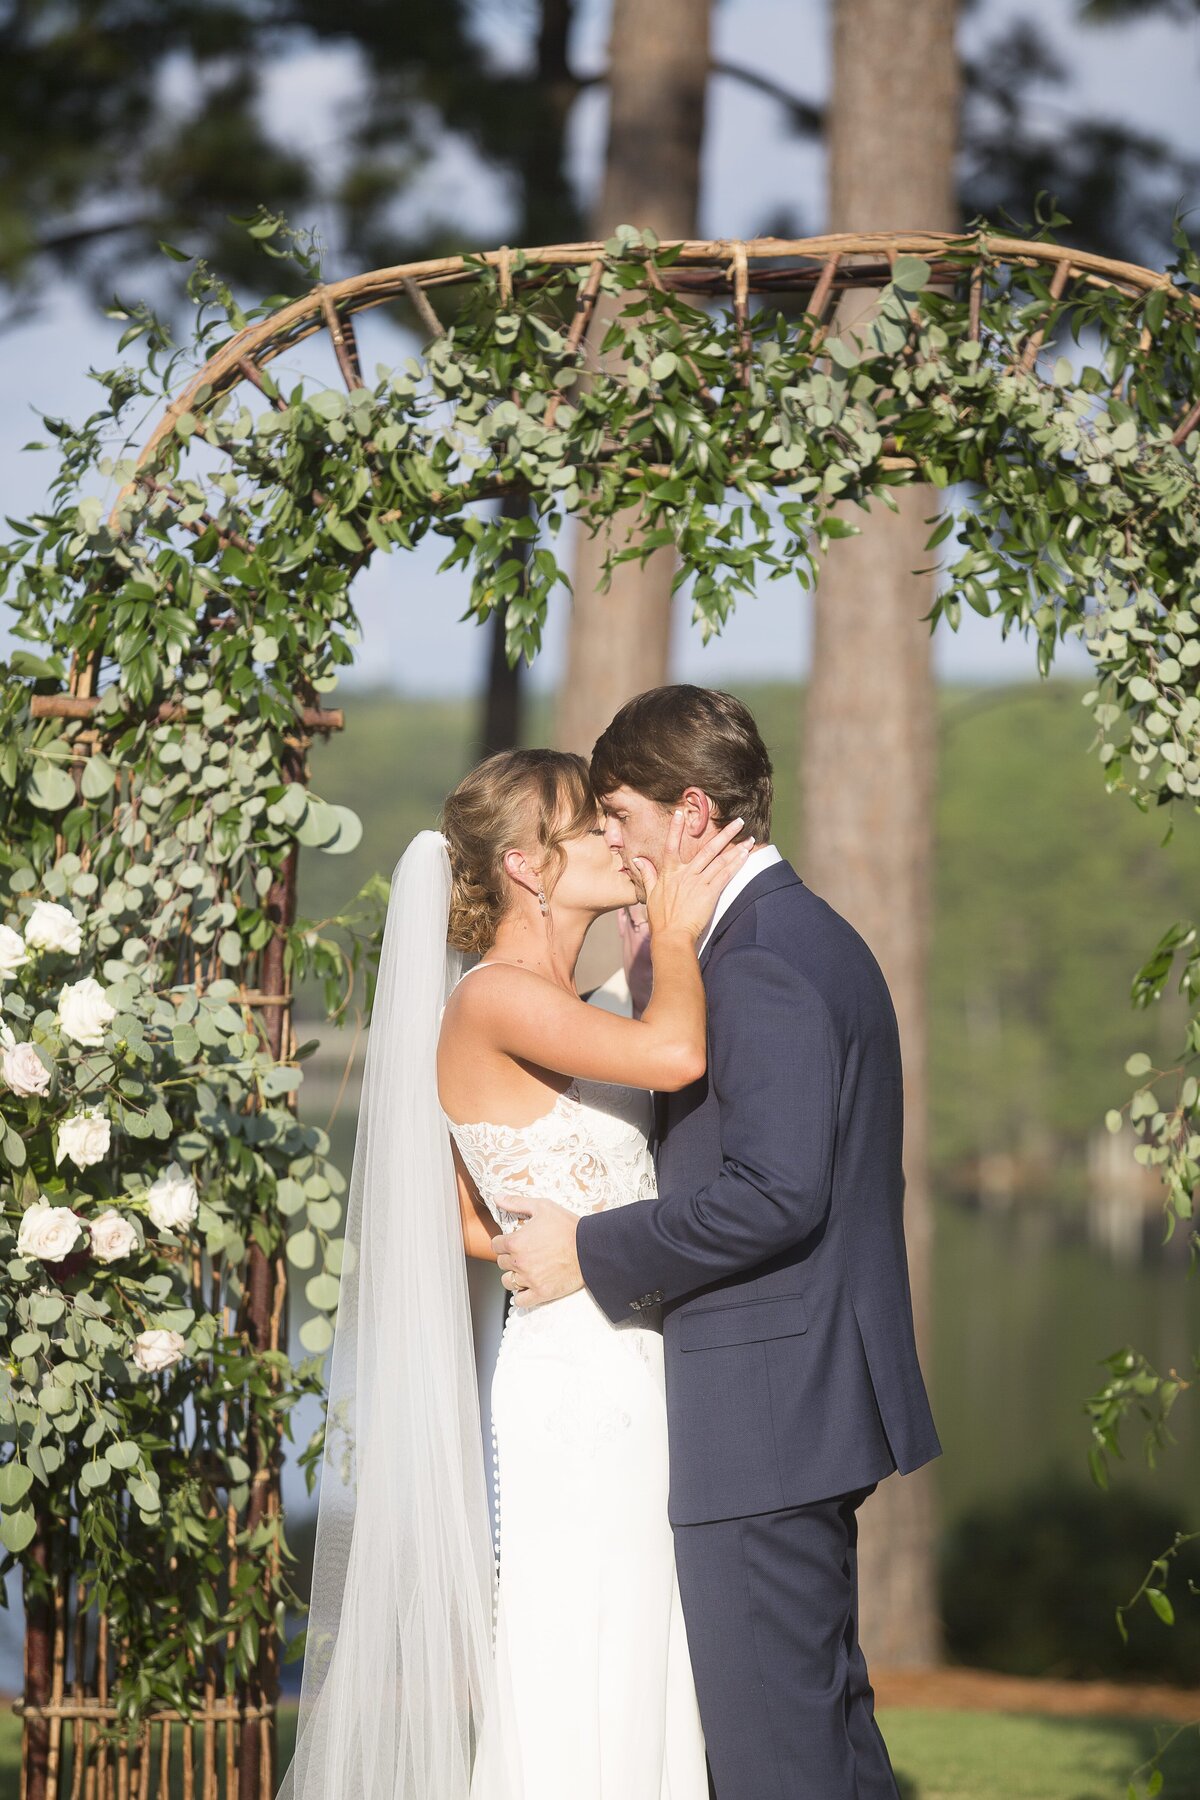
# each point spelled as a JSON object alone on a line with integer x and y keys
{"x": 596, "y": 1694}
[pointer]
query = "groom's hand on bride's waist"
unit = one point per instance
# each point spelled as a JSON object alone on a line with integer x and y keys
{"x": 538, "y": 1261}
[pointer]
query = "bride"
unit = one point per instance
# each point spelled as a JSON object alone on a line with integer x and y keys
{"x": 434, "y": 1668}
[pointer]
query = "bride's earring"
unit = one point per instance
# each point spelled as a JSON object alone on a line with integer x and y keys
{"x": 543, "y": 902}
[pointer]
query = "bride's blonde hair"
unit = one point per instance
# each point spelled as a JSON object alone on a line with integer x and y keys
{"x": 531, "y": 800}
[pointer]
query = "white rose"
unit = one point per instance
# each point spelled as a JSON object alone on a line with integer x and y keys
{"x": 83, "y": 1012}
{"x": 154, "y": 1350}
{"x": 12, "y": 952}
{"x": 48, "y": 1232}
{"x": 172, "y": 1201}
{"x": 112, "y": 1236}
{"x": 52, "y": 927}
{"x": 84, "y": 1137}
{"x": 24, "y": 1070}
{"x": 7, "y": 1040}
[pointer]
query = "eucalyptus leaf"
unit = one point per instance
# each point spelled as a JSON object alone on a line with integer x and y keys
{"x": 316, "y": 1334}
{"x": 50, "y": 788}
{"x": 322, "y": 1291}
{"x": 289, "y": 1196}
{"x": 16, "y": 1479}
{"x": 302, "y": 1249}
{"x": 17, "y": 1528}
{"x": 911, "y": 273}
{"x": 324, "y": 1213}
{"x": 94, "y": 1474}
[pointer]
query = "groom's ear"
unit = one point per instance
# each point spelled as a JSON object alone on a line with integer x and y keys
{"x": 698, "y": 811}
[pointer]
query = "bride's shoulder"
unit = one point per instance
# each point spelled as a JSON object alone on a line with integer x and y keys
{"x": 488, "y": 987}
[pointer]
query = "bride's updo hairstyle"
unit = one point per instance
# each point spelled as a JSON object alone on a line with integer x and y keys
{"x": 530, "y": 800}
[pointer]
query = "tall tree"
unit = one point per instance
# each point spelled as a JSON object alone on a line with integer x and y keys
{"x": 868, "y": 748}
{"x": 548, "y": 213}
{"x": 657, "y": 77}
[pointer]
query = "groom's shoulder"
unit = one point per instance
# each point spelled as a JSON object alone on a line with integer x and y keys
{"x": 801, "y": 926}
{"x": 785, "y": 901}
{"x": 791, "y": 922}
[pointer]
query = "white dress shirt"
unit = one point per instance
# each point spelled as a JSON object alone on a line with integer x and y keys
{"x": 613, "y": 995}
{"x": 760, "y": 858}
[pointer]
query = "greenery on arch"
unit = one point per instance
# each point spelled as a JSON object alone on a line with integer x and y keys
{"x": 211, "y": 580}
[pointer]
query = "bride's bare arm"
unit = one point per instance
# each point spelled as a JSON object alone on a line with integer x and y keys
{"x": 525, "y": 1016}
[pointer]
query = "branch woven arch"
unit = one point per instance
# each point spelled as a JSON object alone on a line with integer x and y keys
{"x": 812, "y": 266}
{"x": 186, "y": 622}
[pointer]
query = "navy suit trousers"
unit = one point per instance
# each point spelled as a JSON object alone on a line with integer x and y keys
{"x": 771, "y": 1606}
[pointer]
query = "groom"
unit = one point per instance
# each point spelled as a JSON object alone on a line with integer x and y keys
{"x": 776, "y": 1251}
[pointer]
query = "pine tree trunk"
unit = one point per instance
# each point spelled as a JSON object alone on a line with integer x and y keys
{"x": 658, "y": 70}
{"x": 868, "y": 761}
{"x": 548, "y": 214}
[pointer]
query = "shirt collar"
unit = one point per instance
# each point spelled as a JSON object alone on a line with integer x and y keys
{"x": 760, "y": 858}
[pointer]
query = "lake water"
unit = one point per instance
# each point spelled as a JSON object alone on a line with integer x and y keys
{"x": 1023, "y": 1317}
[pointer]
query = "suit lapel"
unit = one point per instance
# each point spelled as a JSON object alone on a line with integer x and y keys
{"x": 780, "y": 874}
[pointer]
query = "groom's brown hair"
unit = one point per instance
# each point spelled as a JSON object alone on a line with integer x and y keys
{"x": 672, "y": 738}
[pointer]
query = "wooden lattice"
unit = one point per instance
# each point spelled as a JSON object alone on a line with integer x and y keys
{"x": 230, "y": 1748}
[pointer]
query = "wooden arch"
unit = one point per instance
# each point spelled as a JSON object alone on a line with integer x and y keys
{"x": 67, "y": 1664}
{"x": 819, "y": 269}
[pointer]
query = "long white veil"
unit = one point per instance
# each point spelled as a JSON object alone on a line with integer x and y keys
{"x": 398, "y": 1676}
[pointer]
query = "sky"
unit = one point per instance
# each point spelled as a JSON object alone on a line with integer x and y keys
{"x": 753, "y": 169}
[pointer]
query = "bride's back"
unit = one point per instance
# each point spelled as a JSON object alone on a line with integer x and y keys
{"x": 584, "y": 1145}
{"x": 477, "y": 1081}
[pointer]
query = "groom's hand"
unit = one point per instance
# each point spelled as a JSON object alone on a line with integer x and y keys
{"x": 538, "y": 1260}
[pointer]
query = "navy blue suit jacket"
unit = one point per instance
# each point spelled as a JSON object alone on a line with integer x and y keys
{"x": 776, "y": 1245}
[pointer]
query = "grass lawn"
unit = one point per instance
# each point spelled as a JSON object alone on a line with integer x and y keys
{"x": 1007, "y": 1756}
{"x": 945, "y": 1755}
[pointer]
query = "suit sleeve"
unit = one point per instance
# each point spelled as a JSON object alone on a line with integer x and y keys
{"x": 775, "y": 1068}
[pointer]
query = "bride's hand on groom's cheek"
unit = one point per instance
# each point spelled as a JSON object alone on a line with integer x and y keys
{"x": 537, "y": 1262}
{"x": 637, "y": 874}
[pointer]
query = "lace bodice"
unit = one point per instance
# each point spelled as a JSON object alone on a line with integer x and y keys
{"x": 589, "y": 1152}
